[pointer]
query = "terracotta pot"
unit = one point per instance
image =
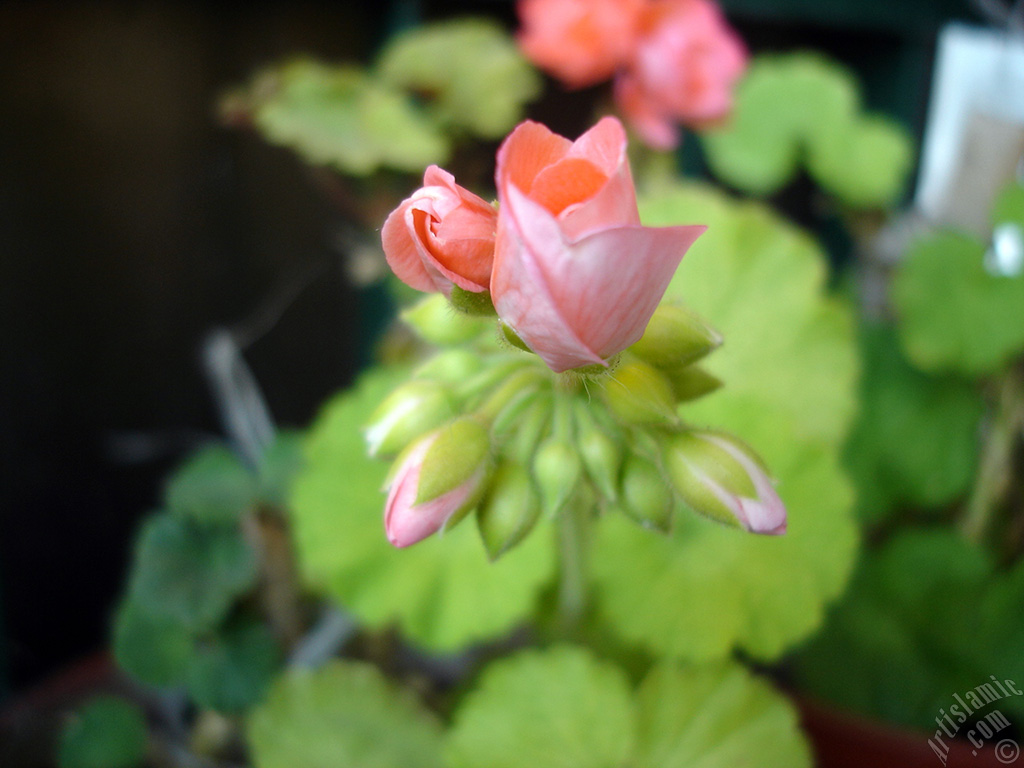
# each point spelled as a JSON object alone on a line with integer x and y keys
{"x": 843, "y": 740}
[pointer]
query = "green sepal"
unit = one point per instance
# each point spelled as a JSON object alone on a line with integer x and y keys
{"x": 472, "y": 303}
{"x": 459, "y": 452}
{"x": 646, "y": 496}
{"x": 638, "y": 393}
{"x": 509, "y": 510}
{"x": 411, "y": 410}
{"x": 676, "y": 336}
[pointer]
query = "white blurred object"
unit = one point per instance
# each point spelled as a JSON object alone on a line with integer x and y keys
{"x": 974, "y": 139}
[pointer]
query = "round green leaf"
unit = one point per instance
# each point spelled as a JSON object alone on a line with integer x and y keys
{"x": 153, "y": 648}
{"x": 343, "y": 714}
{"x": 108, "y": 732}
{"x": 954, "y": 314}
{"x": 231, "y": 672}
{"x": 710, "y": 717}
{"x": 189, "y": 573}
{"x": 470, "y": 68}
{"x": 340, "y": 116}
{"x": 916, "y": 436}
{"x": 558, "y": 708}
{"x": 211, "y": 487}
{"x": 443, "y": 592}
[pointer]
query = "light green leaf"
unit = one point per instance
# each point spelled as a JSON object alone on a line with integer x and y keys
{"x": 152, "y": 648}
{"x": 231, "y": 672}
{"x": 558, "y": 708}
{"x": 343, "y": 714}
{"x": 715, "y": 717}
{"x": 916, "y": 437}
{"x": 211, "y": 487}
{"x": 108, "y": 732}
{"x": 801, "y": 109}
{"x": 188, "y": 573}
{"x": 342, "y": 117}
{"x": 925, "y": 618}
{"x": 954, "y": 314}
{"x": 470, "y": 68}
{"x": 789, "y": 366}
{"x": 443, "y": 593}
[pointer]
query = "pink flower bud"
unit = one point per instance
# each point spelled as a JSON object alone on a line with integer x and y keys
{"x": 575, "y": 275}
{"x": 721, "y": 477}
{"x": 683, "y": 68}
{"x": 436, "y": 481}
{"x": 443, "y": 235}
{"x": 581, "y": 42}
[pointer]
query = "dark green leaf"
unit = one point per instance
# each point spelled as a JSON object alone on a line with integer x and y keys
{"x": 231, "y": 672}
{"x": 212, "y": 487}
{"x": 108, "y": 732}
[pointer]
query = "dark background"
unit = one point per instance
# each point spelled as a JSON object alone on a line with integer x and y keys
{"x": 131, "y": 224}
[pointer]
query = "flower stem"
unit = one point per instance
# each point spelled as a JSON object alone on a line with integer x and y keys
{"x": 573, "y": 540}
{"x": 996, "y": 466}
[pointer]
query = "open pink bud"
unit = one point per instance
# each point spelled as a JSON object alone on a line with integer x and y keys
{"x": 575, "y": 274}
{"x": 442, "y": 235}
{"x": 435, "y": 481}
{"x": 580, "y": 42}
{"x": 683, "y": 68}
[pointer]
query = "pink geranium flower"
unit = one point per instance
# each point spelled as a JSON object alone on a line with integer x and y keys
{"x": 682, "y": 70}
{"x": 442, "y": 235}
{"x": 581, "y": 42}
{"x": 575, "y": 274}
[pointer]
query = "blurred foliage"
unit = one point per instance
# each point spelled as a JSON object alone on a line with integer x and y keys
{"x": 928, "y": 616}
{"x": 232, "y": 671}
{"x": 789, "y": 360}
{"x": 915, "y": 441}
{"x": 800, "y": 110}
{"x": 107, "y": 732}
{"x": 957, "y": 313}
{"x": 563, "y": 708}
{"x": 344, "y": 713}
{"x": 443, "y": 593}
{"x": 469, "y": 71}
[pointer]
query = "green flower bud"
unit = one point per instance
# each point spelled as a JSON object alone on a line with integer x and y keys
{"x": 532, "y": 426}
{"x": 452, "y": 366}
{"x": 477, "y": 303}
{"x": 721, "y": 477}
{"x": 460, "y": 449}
{"x": 646, "y": 496}
{"x": 638, "y": 393}
{"x": 513, "y": 338}
{"x": 691, "y": 382}
{"x": 601, "y": 455}
{"x": 676, "y": 336}
{"x": 409, "y": 411}
{"x": 556, "y": 470}
{"x": 434, "y": 320}
{"x": 509, "y": 509}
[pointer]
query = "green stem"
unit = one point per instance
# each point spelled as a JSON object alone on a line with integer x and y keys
{"x": 573, "y": 541}
{"x": 995, "y": 471}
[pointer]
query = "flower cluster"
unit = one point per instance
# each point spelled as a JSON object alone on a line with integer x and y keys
{"x": 575, "y": 278}
{"x": 673, "y": 60}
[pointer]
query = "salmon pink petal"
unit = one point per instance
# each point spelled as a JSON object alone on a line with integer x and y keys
{"x": 402, "y": 249}
{"x": 654, "y": 127}
{"x": 527, "y": 151}
{"x": 577, "y": 303}
{"x": 581, "y": 42}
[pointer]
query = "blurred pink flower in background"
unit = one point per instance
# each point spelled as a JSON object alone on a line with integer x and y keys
{"x": 575, "y": 274}
{"x": 441, "y": 235}
{"x": 674, "y": 61}
{"x": 581, "y": 42}
{"x": 683, "y": 69}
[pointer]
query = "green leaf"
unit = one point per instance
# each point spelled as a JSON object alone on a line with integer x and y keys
{"x": 344, "y": 713}
{"x": 789, "y": 366}
{"x": 231, "y": 672}
{"x": 954, "y": 314}
{"x": 188, "y": 573}
{"x": 470, "y": 68}
{"x": 801, "y": 109}
{"x": 707, "y": 717}
{"x": 559, "y": 708}
{"x": 340, "y": 116}
{"x": 925, "y": 618}
{"x": 443, "y": 593}
{"x": 108, "y": 732}
{"x": 916, "y": 437}
{"x": 152, "y": 648}
{"x": 211, "y": 487}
